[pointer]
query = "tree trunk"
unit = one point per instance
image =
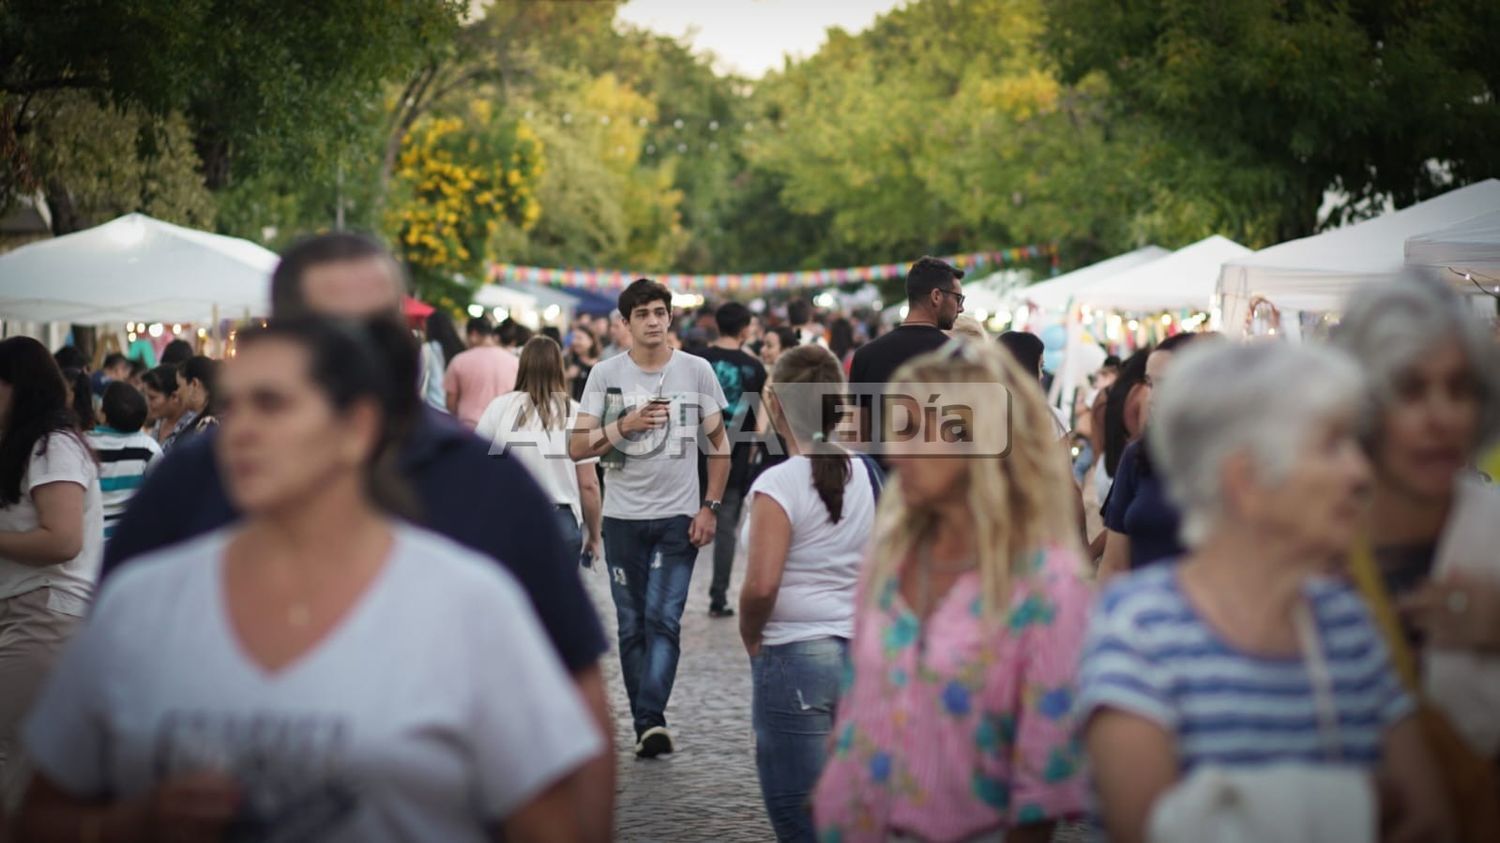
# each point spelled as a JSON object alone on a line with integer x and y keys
{"x": 66, "y": 218}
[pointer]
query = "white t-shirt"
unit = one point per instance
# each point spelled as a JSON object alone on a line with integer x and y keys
{"x": 816, "y": 599}
{"x": 434, "y": 707}
{"x": 72, "y": 582}
{"x": 660, "y": 475}
{"x": 543, "y": 452}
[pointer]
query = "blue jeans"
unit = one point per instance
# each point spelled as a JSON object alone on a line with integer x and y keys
{"x": 650, "y": 569}
{"x": 572, "y": 534}
{"x": 796, "y": 689}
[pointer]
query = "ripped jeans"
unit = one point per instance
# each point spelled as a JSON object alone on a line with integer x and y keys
{"x": 796, "y": 688}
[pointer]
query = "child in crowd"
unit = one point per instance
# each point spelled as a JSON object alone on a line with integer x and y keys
{"x": 125, "y": 451}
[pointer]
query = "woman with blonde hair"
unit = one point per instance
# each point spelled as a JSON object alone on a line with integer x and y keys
{"x": 532, "y": 423}
{"x": 971, "y": 612}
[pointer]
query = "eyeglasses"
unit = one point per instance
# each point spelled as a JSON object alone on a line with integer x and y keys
{"x": 955, "y": 294}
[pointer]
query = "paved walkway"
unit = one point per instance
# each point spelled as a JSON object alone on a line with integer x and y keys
{"x": 707, "y": 790}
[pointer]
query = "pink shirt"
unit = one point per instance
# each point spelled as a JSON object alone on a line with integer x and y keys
{"x": 479, "y": 376}
{"x": 969, "y": 731}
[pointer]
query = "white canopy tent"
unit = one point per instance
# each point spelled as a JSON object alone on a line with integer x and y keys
{"x": 1471, "y": 247}
{"x": 135, "y": 268}
{"x": 1316, "y": 273}
{"x": 1054, "y": 294}
{"x": 1184, "y": 279}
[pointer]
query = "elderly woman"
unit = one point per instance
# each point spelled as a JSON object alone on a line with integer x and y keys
{"x": 1430, "y": 555}
{"x": 1246, "y": 654}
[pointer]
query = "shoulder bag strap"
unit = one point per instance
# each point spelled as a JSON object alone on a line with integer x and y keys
{"x": 1311, "y": 645}
{"x": 1365, "y": 574}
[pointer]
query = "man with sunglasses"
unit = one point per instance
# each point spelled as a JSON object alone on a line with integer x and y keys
{"x": 934, "y": 299}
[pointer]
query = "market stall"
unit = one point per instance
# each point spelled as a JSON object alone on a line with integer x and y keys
{"x": 136, "y": 268}
{"x": 1315, "y": 274}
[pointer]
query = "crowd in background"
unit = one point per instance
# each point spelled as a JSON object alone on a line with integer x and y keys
{"x": 344, "y": 596}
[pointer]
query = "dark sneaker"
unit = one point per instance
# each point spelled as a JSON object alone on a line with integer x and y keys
{"x": 720, "y": 612}
{"x": 654, "y": 741}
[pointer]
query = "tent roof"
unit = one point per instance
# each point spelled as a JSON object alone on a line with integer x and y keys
{"x": 1317, "y": 272}
{"x": 1185, "y": 278}
{"x": 1054, "y": 293}
{"x": 1469, "y": 246}
{"x": 135, "y": 268}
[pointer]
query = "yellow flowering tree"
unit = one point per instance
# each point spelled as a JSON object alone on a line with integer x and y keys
{"x": 458, "y": 180}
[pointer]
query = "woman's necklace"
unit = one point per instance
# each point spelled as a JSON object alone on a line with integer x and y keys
{"x": 925, "y": 567}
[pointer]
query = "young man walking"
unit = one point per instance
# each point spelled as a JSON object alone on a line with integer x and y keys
{"x": 742, "y": 378}
{"x": 654, "y": 405}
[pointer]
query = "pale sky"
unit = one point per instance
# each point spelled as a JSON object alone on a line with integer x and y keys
{"x": 751, "y": 36}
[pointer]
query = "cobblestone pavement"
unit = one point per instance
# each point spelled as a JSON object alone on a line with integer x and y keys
{"x": 707, "y": 790}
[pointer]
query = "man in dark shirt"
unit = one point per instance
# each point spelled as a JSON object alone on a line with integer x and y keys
{"x": 742, "y": 378}
{"x": 934, "y": 299}
{"x": 489, "y": 504}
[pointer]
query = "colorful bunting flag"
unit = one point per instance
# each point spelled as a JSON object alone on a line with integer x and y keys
{"x": 616, "y": 279}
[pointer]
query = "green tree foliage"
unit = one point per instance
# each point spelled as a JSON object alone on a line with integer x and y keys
{"x": 268, "y": 86}
{"x": 943, "y": 128}
{"x": 1282, "y": 101}
{"x": 102, "y": 161}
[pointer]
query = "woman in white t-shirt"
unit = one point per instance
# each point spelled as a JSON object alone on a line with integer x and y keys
{"x": 318, "y": 671}
{"x": 532, "y": 423}
{"x": 810, "y": 519}
{"x": 51, "y": 532}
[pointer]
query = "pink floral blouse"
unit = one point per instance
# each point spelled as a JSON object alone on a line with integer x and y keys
{"x": 965, "y": 729}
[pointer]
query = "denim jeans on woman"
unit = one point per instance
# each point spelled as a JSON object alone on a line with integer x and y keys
{"x": 572, "y": 533}
{"x": 796, "y": 687}
{"x": 650, "y": 569}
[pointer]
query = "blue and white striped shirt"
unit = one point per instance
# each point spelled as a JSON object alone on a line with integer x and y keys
{"x": 123, "y": 461}
{"x": 1151, "y": 654}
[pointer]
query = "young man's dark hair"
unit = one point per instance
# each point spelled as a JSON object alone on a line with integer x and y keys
{"x": 1110, "y": 362}
{"x": 176, "y": 353}
{"x": 1026, "y": 349}
{"x": 124, "y": 407}
{"x": 643, "y": 291}
{"x": 798, "y": 312}
{"x": 732, "y": 318}
{"x": 479, "y": 325}
{"x": 69, "y": 357}
{"x": 552, "y": 333}
{"x": 287, "y": 297}
{"x": 928, "y": 274}
{"x": 113, "y": 359}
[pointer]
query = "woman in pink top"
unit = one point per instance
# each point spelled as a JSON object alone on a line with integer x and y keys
{"x": 957, "y": 725}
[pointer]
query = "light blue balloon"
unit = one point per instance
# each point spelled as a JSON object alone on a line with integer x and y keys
{"x": 1051, "y": 360}
{"x": 1054, "y": 337}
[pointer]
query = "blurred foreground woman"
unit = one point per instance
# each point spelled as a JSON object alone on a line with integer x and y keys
{"x": 1430, "y": 569}
{"x": 1248, "y": 664}
{"x": 319, "y": 671}
{"x": 969, "y": 618}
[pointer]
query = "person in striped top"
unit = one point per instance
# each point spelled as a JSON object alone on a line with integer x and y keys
{"x": 1251, "y": 651}
{"x": 125, "y": 451}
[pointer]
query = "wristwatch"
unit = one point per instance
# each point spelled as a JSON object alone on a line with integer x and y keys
{"x": 713, "y": 506}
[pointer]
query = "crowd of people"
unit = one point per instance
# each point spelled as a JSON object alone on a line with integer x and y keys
{"x": 331, "y": 587}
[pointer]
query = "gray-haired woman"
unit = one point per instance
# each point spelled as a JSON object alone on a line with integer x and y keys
{"x": 1429, "y": 567}
{"x": 1248, "y": 653}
